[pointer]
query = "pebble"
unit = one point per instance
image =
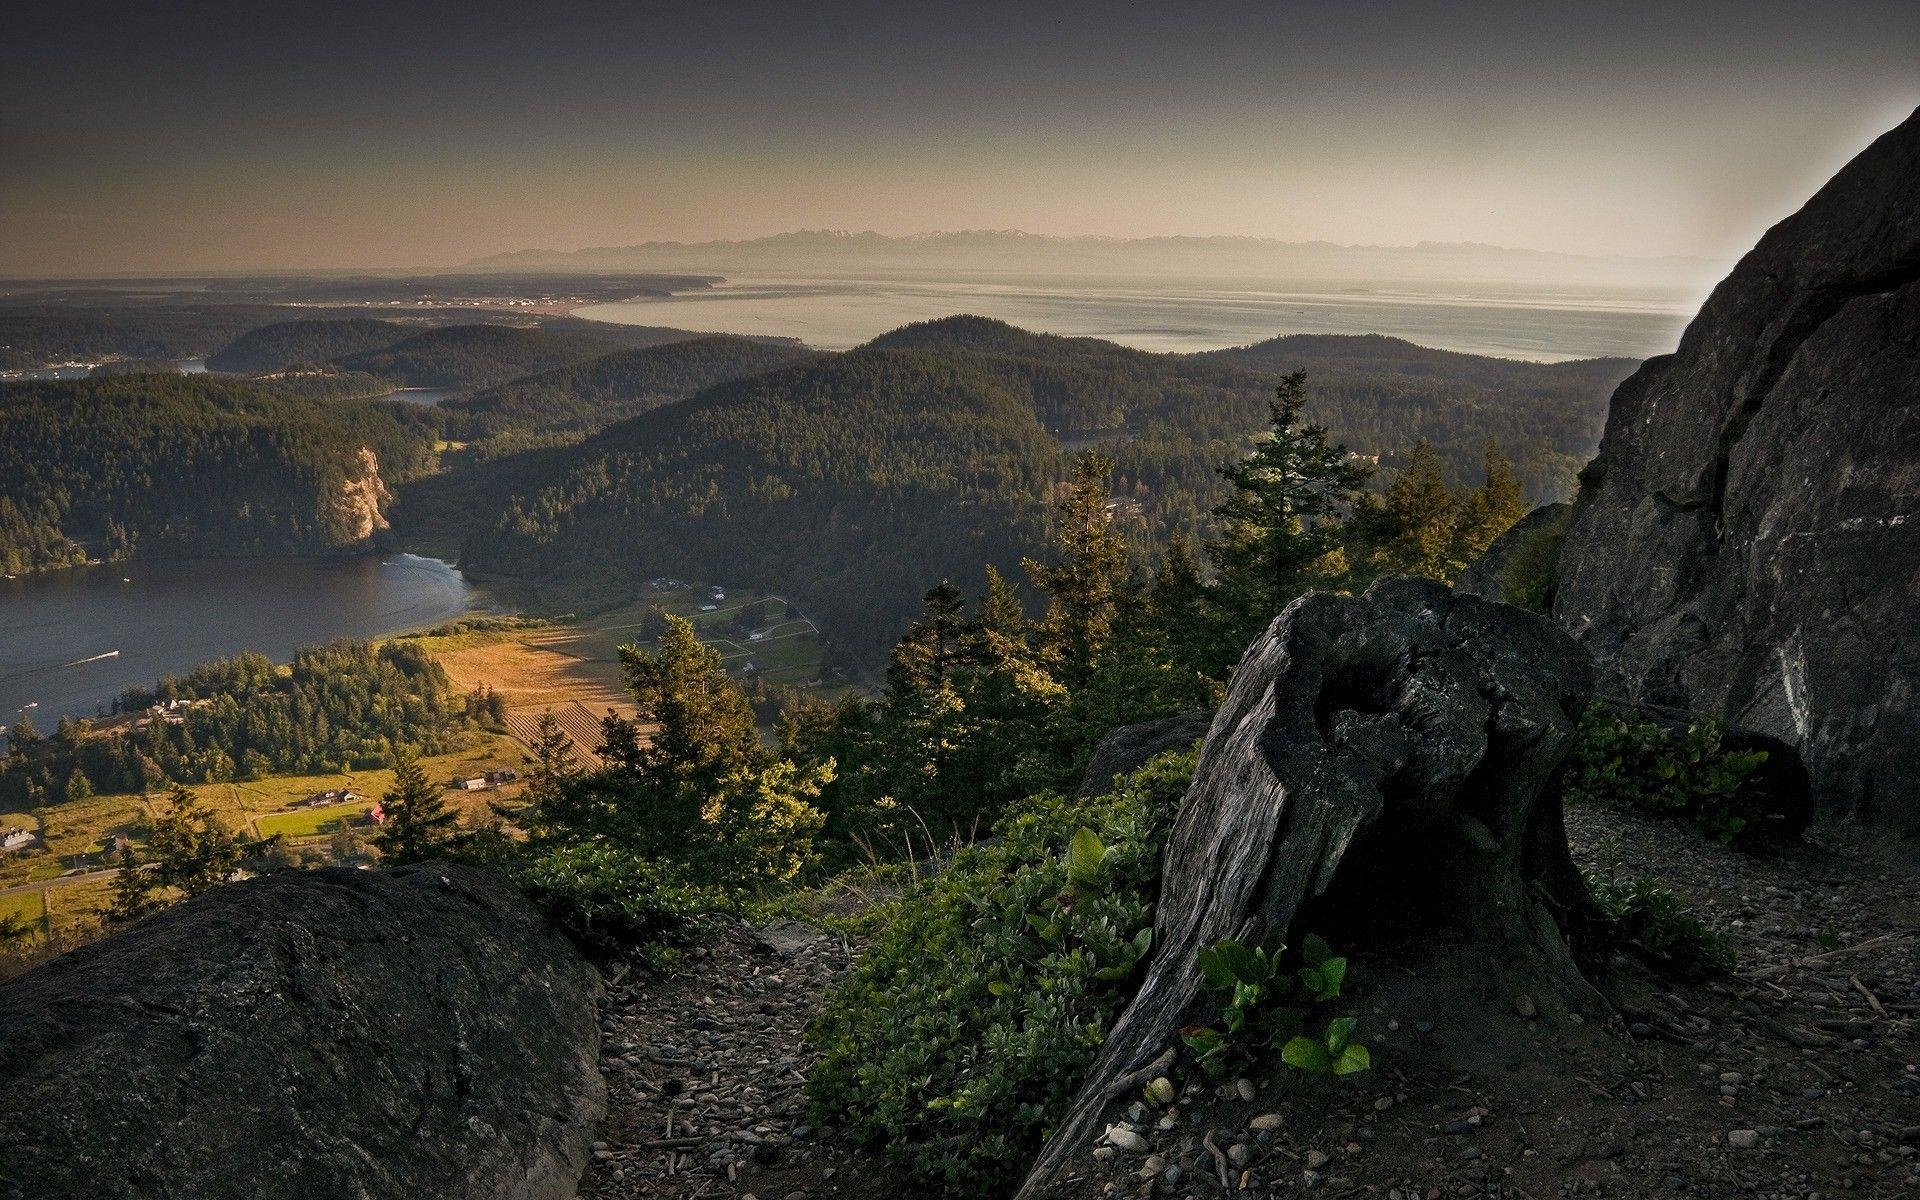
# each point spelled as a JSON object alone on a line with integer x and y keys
{"x": 1244, "y": 1088}
{"x": 1266, "y": 1121}
{"x": 1315, "y": 1160}
{"x": 1126, "y": 1139}
{"x": 1743, "y": 1139}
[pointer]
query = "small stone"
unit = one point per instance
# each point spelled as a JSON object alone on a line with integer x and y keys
{"x": 1743, "y": 1139}
{"x": 1266, "y": 1121}
{"x": 1126, "y": 1139}
{"x": 1239, "y": 1154}
{"x": 1315, "y": 1160}
{"x": 1160, "y": 1091}
{"x": 1523, "y": 1004}
{"x": 1243, "y": 1087}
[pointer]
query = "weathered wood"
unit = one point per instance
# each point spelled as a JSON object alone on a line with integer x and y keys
{"x": 1424, "y": 727}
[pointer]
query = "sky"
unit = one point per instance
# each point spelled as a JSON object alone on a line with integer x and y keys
{"x": 172, "y": 135}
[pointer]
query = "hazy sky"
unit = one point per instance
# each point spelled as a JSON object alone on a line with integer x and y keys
{"x": 154, "y": 135}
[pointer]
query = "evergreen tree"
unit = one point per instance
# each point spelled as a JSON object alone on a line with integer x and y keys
{"x": 551, "y": 770}
{"x": 191, "y": 850}
{"x": 1283, "y": 518}
{"x": 1089, "y": 583}
{"x": 1492, "y": 509}
{"x": 132, "y": 890}
{"x": 704, "y": 733}
{"x": 415, "y": 822}
{"x": 1420, "y": 514}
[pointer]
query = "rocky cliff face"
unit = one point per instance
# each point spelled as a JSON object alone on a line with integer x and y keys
{"x": 419, "y": 1033}
{"x": 359, "y": 507}
{"x": 1747, "y": 543}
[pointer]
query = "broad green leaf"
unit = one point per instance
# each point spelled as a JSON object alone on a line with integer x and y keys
{"x": 1315, "y": 950}
{"x": 1307, "y": 1055}
{"x": 1353, "y": 1058}
{"x": 1339, "y": 1033}
{"x": 1086, "y": 858}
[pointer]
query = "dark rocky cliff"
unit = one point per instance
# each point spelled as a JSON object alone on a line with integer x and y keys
{"x": 419, "y": 1033}
{"x": 1747, "y": 543}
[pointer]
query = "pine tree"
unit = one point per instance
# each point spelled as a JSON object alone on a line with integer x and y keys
{"x": 191, "y": 850}
{"x": 415, "y": 822}
{"x": 706, "y": 728}
{"x": 1420, "y": 515}
{"x": 1492, "y": 508}
{"x": 1090, "y": 581}
{"x": 132, "y": 890}
{"x": 551, "y": 769}
{"x": 1284, "y": 516}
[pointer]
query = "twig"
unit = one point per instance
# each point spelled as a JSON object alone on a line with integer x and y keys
{"x": 1871, "y": 998}
{"x": 1219, "y": 1159}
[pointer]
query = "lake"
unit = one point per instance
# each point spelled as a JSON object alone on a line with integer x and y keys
{"x": 1187, "y": 316}
{"x": 58, "y": 630}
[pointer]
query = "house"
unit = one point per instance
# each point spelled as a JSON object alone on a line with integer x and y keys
{"x": 709, "y": 607}
{"x": 113, "y": 844}
{"x": 477, "y": 783}
{"x": 505, "y": 775}
{"x": 16, "y": 838}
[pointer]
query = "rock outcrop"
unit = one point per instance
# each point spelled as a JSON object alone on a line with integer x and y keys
{"x": 359, "y": 509}
{"x": 413, "y": 1034}
{"x": 1396, "y": 753}
{"x": 1519, "y": 567}
{"x": 1129, "y": 747}
{"x": 1747, "y": 543}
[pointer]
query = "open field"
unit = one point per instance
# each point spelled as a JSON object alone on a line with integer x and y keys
{"x": 26, "y": 906}
{"x": 309, "y": 822}
{"x": 74, "y": 881}
{"x": 573, "y": 669}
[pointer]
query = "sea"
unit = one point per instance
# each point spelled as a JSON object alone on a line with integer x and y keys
{"x": 73, "y": 640}
{"x": 1542, "y": 324}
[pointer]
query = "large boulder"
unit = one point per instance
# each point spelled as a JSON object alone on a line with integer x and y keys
{"x": 415, "y": 1034}
{"x": 1747, "y": 543}
{"x": 1519, "y": 567}
{"x": 1130, "y": 747}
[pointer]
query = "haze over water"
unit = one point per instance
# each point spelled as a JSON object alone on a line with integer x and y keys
{"x": 1185, "y": 315}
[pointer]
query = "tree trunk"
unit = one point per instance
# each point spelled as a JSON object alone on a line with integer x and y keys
{"x": 1397, "y": 752}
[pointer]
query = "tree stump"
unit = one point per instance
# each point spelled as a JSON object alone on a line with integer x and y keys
{"x": 1398, "y": 750}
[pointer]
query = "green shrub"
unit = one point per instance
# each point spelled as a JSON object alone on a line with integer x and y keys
{"x": 1645, "y": 767}
{"x": 970, "y": 1021}
{"x": 1656, "y": 922}
{"x": 1253, "y": 1019}
{"x": 608, "y": 898}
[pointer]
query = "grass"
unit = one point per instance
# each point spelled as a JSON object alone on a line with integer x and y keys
{"x": 310, "y": 822}
{"x": 27, "y": 906}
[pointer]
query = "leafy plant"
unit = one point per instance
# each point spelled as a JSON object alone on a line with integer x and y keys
{"x": 970, "y": 1021}
{"x": 1645, "y": 767}
{"x": 1334, "y": 1053}
{"x": 1656, "y": 922}
{"x": 1251, "y": 1017}
{"x": 1323, "y": 973}
{"x": 607, "y": 897}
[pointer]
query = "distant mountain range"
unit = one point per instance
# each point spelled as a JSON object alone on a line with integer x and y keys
{"x": 1002, "y": 252}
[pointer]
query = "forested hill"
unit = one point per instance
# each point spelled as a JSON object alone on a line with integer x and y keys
{"x": 191, "y": 465}
{"x": 602, "y": 391}
{"x": 1381, "y": 393}
{"x": 466, "y": 356}
{"x": 305, "y": 343}
{"x": 852, "y": 480}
